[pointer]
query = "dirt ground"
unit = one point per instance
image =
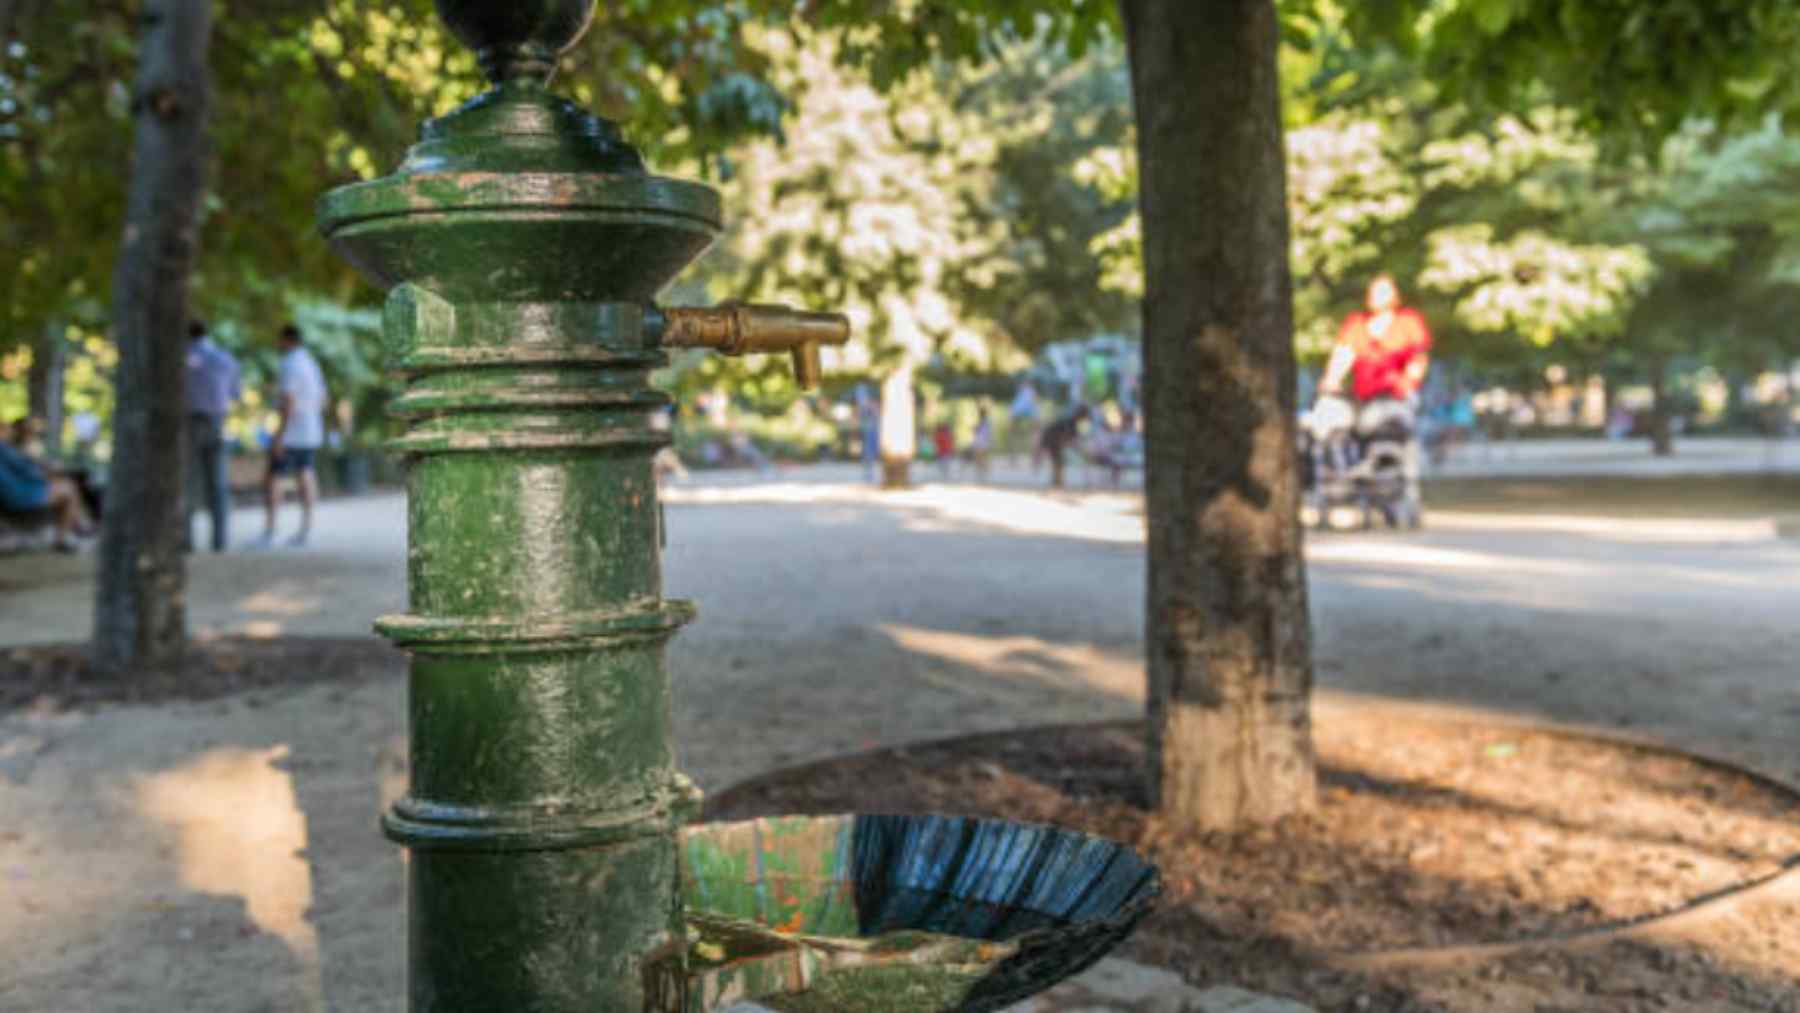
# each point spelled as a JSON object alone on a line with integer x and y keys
{"x": 222, "y": 855}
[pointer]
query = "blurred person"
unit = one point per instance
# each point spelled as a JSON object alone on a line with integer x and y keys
{"x": 1103, "y": 447}
{"x": 1022, "y": 420}
{"x": 214, "y": 383}
{"x": 1386, "y": 350}
{"x": 1130, "y": 385}
{"x": 1451, "y": 423}
{"x": 667, "y": 463}
{"x": 27, "y": 436}
{"x": 943, "y": 445}
{"x": 1115, "y": 443}
{"x": 1131, "y": 440}
{"x": 868, "y": 419}
{"x": 1056, "y": 440}
{"x": 745, "y": 451}
{"x": 301, "y": 397}
{"x": 87, "y": 433}
{"x": 981, "y": 445}
{"x": 27, "y": 489}
{"x": 1620, "y": 423}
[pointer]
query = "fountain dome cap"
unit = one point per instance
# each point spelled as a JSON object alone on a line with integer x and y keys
{"x": 521, "y": 170}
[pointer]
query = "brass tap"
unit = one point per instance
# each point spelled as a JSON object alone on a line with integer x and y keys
{"x": 742, "y": 329}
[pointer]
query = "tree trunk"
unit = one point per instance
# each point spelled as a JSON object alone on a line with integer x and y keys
{"x": 1662, "y": 438}
{"x": 44, "y": 385}
{"x": 1737, "y": 407}
{"x": 1229, "y": 638}
{"x": 1785, "y": 426}
{"x": 140, "y": 617}
{"x": 899, "y": 429}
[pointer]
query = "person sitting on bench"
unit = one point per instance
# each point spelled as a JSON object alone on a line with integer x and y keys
{"x": 28, "y": 491}
{"x": 1116, "y": 445}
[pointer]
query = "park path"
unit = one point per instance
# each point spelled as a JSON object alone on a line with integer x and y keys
{"x": 833, "y": 618}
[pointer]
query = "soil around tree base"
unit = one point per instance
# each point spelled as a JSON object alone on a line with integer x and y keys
{"x": 61, "y": 677}
{"x": 1434, "y": 835}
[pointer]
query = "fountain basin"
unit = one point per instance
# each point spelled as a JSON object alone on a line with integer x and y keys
{"x": 900, "y": 912}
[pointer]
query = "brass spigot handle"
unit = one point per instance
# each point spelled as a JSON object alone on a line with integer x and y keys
{"x": 741, "y": 329}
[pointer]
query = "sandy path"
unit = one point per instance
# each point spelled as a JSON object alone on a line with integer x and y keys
{"x": 229, "y": 848}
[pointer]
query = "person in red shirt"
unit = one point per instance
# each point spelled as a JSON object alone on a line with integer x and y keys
{"x": 1386, "y": 349}
{"x": 943, "y": 442}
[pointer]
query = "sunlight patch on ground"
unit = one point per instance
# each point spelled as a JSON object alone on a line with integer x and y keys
{"x": 1393, "y": 553}
{"x": 241, "y": 834}
{"x": 1535, "y": 577}
{"x": 279, "y": 600}
{"x": 1615, "y": 529}
{"x": 1094, "y": 516}
{"x": 1530, "y": 595}
{"x": 1027, "y": 664}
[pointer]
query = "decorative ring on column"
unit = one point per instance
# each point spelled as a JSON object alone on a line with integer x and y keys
{"x": 452, "y": 635}
{"x": 438, "y": 827}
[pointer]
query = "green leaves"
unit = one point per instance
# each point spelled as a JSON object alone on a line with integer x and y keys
{"x": 1493, "y": 16}
{"x": 1632, "y": 70}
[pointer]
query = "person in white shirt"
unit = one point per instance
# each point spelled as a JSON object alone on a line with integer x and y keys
{"x": 298, "y": 436}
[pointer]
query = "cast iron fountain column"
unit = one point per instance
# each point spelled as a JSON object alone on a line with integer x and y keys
{"x": 523, "y": 244}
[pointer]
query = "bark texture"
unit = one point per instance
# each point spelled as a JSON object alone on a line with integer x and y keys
{"x": 1229, "y": 636}
{"x": 44, "y": 384}
{"x": 1662, "y": 430}
{"x": 140, "y": 618}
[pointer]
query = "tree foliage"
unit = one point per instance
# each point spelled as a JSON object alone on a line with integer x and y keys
{"x": 1633, "y": 71}
{"x": 872, "y": 204}
{"x": 940, "y": 214}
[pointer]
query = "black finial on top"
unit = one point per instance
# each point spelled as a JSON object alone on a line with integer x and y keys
{"x": 517, "y": 39}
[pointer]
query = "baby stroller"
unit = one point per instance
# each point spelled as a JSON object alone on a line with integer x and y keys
{"x": 1358, "y": 459}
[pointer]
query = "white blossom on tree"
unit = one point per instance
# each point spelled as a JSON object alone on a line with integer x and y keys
{"x": 1534, "y": 284}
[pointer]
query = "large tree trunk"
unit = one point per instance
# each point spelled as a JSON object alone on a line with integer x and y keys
{"x": 44, "y": 384}
{"x": 1662, "y": 436}
{"x": 140, "y": 618}
{"x": 899, "y": 428}
{"x": 1229, "y": 638}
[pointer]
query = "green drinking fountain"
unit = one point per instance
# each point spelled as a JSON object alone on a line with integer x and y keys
{"x": 522, "y": 245}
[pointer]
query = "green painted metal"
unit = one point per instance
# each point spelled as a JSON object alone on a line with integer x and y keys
{"x": 523, "y": 243}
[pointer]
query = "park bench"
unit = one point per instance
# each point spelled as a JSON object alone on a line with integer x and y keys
{"x": 26, "y": 532}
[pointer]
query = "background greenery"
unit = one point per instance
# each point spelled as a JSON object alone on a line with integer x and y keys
{"x": 961, "y": 178}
